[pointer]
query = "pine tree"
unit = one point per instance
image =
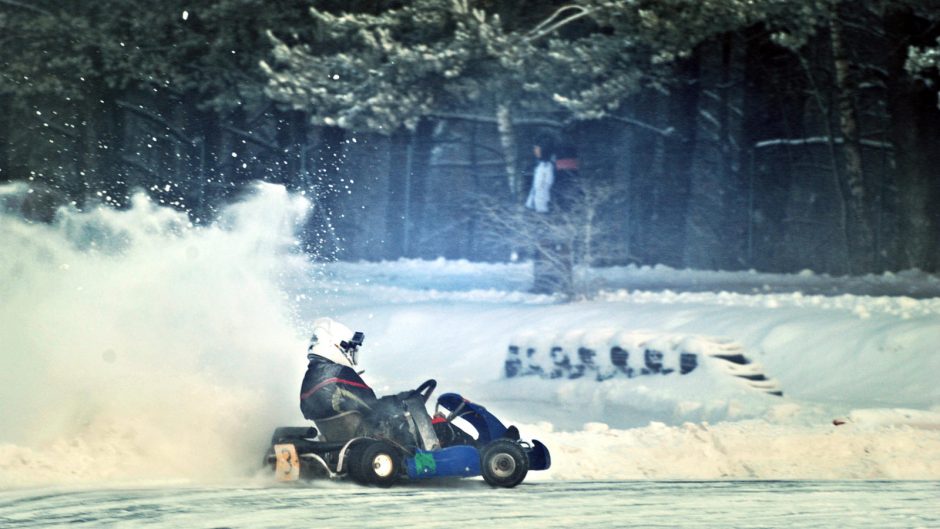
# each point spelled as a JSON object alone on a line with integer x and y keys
{"x": 924, "y": 63}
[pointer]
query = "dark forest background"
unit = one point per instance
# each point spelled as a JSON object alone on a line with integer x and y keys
{"x": 728, "y": 135}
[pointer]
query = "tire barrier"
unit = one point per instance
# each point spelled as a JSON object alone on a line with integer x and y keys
{"x": 606, "y": 354}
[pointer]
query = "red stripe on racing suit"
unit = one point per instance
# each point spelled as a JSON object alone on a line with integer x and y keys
{"x": 333, "y": 380}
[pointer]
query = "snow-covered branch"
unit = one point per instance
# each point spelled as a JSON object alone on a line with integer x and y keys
{"x": 920, "y": 61}
{"x": 817, "y": 140}
{"x": 550, "y": 24}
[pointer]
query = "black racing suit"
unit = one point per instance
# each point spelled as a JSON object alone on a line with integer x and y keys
{"x": 330, "y": 389}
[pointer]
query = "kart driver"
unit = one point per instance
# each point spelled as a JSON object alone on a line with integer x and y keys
{"x": 343, "y": 406}
{"x": 332, "y": 388}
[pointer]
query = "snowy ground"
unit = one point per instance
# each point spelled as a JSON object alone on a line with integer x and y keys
{"x": 719, "y": 505}
{"x": 136, "y": 347}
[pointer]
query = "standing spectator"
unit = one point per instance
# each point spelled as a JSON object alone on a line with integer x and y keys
{"x": 543, "y": 176}
{"x": 551, "y": 195}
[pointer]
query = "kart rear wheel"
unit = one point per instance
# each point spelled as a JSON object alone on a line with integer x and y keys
{"x": 374, "y": 463}
{"x": 504, "y": 463}
{"x": 352, "y": 459}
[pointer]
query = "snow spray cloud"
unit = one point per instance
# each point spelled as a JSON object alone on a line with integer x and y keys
{"x": 134, "y": 345}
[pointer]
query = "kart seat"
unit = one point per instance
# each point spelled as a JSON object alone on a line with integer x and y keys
{"x": 341, "y": 427}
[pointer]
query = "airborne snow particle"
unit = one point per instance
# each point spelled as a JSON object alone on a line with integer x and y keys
{"x": 185, "y": 15}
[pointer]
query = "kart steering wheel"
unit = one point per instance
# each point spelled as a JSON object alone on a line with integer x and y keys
{"x": 426, "y": 388}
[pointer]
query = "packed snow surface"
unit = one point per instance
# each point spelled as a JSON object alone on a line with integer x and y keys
{"x": 137, "y": 347}
{"x": 558, "y": 504}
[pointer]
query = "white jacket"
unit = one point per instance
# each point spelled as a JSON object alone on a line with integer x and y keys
{"x": 542, "y": 180}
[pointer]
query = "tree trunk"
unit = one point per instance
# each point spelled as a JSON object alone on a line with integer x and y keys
{"x": 172, "y": 148}
{"x": 116, "y": 170}
{"x": 648, "y": 163}
{"x": 397, "y": 218}
{"x": 862, "y": 247}
{"x": 420, "y": 147}
{"x": 213, "y": 183}
{"x": 87, "y": 153}
{"x": 472, "y": 243}
{"x": 714, "y": 232}
{"x": 675, "y": 195}
{"x": 724, "y": 110}
{"x": 327, "y": 165}
{"x": 507, "y": 138}
{"x": 300, "y": 175}
{"x": 201, "y": 178}
{"x": 237, "y": 154}
{"x": 6, "y": 115}
{"x": 106, "y": 174}
{"x": 914, "y": 134}
{"x": 291, "y": 158}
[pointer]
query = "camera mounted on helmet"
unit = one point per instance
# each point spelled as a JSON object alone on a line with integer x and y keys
{"x": 334, "y": 341}
{"x": 350, "y": 348}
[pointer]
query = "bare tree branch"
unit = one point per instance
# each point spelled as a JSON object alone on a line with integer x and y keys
{"x": 668, "y": 131}
{"x": 27, "y": 7}
{"x": 559, "y": 241}
{"x": 261, "y": 142}
{"x": 491, "y": 120}
{"x": 140, "y": 166}
{"x": 159, "y": 120}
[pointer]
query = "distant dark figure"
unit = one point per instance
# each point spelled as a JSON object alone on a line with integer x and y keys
{"x": 554, "y": 178}
{"x": 564, "y": 189}
{"x": 552, "y": 193}
{"x": 543, "y": 176}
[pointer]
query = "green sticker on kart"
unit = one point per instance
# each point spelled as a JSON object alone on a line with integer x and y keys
{"x": 425, "y": 463}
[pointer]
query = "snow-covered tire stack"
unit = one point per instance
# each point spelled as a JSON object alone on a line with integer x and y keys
{"x": 605, "y": 354}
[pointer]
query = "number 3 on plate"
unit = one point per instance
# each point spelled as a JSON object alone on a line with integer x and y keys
{"x": 287, "y": 467}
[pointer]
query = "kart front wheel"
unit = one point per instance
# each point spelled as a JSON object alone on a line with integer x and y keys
{"x": 503, "y": 463}
{"x": 377, "y": 463}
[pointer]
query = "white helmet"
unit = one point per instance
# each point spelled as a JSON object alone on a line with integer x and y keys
{"x": 334, "y": 341}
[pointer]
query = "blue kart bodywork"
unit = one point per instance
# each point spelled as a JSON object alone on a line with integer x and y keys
{"x": 464, "y": 460}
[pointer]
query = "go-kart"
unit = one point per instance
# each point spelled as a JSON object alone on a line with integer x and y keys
{"x": 411, "y": 444}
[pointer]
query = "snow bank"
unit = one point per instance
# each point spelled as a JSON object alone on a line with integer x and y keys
{"x": 754, "y": 449}
{"x": 464, "y": 275}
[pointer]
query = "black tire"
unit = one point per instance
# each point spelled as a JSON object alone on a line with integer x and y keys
{"x": 352, "y": 460}
{"x": 504, "y": 463}
{"x": 374, "y": 463}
